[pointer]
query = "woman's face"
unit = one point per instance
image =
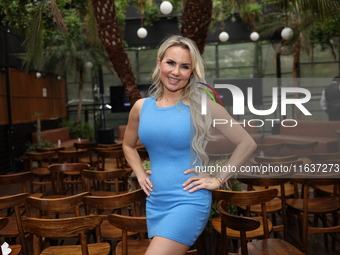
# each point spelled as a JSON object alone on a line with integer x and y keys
{"x": 175, "y": 68}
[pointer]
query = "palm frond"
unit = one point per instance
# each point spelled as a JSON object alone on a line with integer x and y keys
{"x": 58, "y": 17}
{"x": 34, "y": 39}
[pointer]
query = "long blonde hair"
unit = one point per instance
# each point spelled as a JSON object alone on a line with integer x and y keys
{"x": 191, "y": 94}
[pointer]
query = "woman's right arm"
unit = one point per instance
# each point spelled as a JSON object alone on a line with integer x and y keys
{"x": 129, "y": 147}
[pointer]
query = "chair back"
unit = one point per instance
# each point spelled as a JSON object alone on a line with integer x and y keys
{"x": 100, "y": 203}
{"x": 301, "y": 148}
{"x": 40, "y": 158}
{"x": 88, "y": 147}
{"x": 117, "y": 155}
{"x": 322, "y": 157}
{"x": 14, "y": 202}
{"x": 102, "y": 179}
{"x": 58, "y": 171}
{"x": 269, "y": 181}
{"x": 49, "y": 206}
{"x": 61, "y": 228}
{"x": 248, "y": 198}
{"x": 127, "y": 224}
{"x": 239, "y": 223}
{"x": 71, "y": 156}
{"x": 22, "y": 178}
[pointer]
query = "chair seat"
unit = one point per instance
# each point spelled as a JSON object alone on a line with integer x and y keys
{"x": 135, "y": 247}
{"x": 94, "y": 249}
{"x": 11, "y": 229}
{"x": 272, "y": 206}
{"x": 16, "y": 249}
{"x": 109, "y": 232}
{"x": 271, "y": 247}
{"x": 315, "y": 205}
{"x": 216, "y": 223}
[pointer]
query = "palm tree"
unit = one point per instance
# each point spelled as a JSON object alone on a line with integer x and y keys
{"x": 112, "y": 39}
{"x": 196, "y": 18}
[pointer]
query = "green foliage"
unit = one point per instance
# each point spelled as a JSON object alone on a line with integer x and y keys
{"x": 321, "y": 33}
{"x": 82, "y": 130}
{"x": 31, "y": 147}
{"x": 146, "y": 165}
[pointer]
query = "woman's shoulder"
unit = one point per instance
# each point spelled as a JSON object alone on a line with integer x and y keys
{"x": 138, "y": 105}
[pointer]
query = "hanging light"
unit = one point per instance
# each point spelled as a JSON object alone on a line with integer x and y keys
{"x": 224, "y": 36}
{"x": 287, "y": 33}
{"x": 88, "y": 64}
{"x": 59, "y": 77}
{"x": 166, "y": 7}
{"x": 38, "y": 75}
{"x": 142, "y": 32}
{"x": 254, "y": 36}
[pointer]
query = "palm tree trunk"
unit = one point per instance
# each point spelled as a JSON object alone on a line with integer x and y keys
{"x": 112, "y": 39}
{"x": 196, "y": 18}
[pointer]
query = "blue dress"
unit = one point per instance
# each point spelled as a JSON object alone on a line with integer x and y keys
{"x": 171, "y": 212}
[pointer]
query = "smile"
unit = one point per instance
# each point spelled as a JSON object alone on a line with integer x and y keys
{"x": 173, "y": 80}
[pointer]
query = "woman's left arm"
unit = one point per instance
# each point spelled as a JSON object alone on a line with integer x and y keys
{"x": 235, "y": 133}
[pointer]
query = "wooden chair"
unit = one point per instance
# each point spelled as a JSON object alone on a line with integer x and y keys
{"x": 244, "y": 199}
{"x": 105, "y": 205}
{"x": 113, "y": 160}
{"x": 16, "y": 248}
{"x": 274, "y": 206}
{"x": 14, "y": 229}
{"x": 67, "y": 174}
{"x": 291, "y": 189}
{"x": 24, "y": 179}
{"x": 89, "y": 148}
{"x": 66, "y": 228}
{"x": 321, "y": 206}
{"x": 38, "y": 164}
{"x": 73, "y": 177}
{"x": 244, "y": 225}
{"x": 128, "y": 224}
{"x": 100, "y": 182}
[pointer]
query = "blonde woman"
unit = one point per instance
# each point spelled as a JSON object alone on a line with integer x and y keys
{"x": 170, "y": 125}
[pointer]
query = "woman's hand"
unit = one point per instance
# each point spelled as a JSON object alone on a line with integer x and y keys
{"x": 200, "y": 181}
{"x": 145, "y": 183}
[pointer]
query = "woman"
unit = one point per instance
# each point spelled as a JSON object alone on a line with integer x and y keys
{"x": 179, "y": 201}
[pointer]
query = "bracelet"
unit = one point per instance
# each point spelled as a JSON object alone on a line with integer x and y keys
{"x": 220, "y": 181}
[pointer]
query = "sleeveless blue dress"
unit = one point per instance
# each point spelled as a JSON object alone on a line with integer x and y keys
{"x": 171, "y": 212}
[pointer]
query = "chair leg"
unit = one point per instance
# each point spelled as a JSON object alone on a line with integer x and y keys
{"x": 325, "y": 235}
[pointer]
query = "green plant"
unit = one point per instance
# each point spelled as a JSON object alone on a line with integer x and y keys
{"x": 31, "y": 147}
{"x": 82, "y": 130}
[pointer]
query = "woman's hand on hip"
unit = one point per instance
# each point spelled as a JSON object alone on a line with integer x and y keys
{"x": 145, "y": 183}
{"x": 200, "y": 181}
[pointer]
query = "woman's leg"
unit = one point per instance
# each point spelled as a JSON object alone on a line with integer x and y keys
{"x": 164, "y": 246}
